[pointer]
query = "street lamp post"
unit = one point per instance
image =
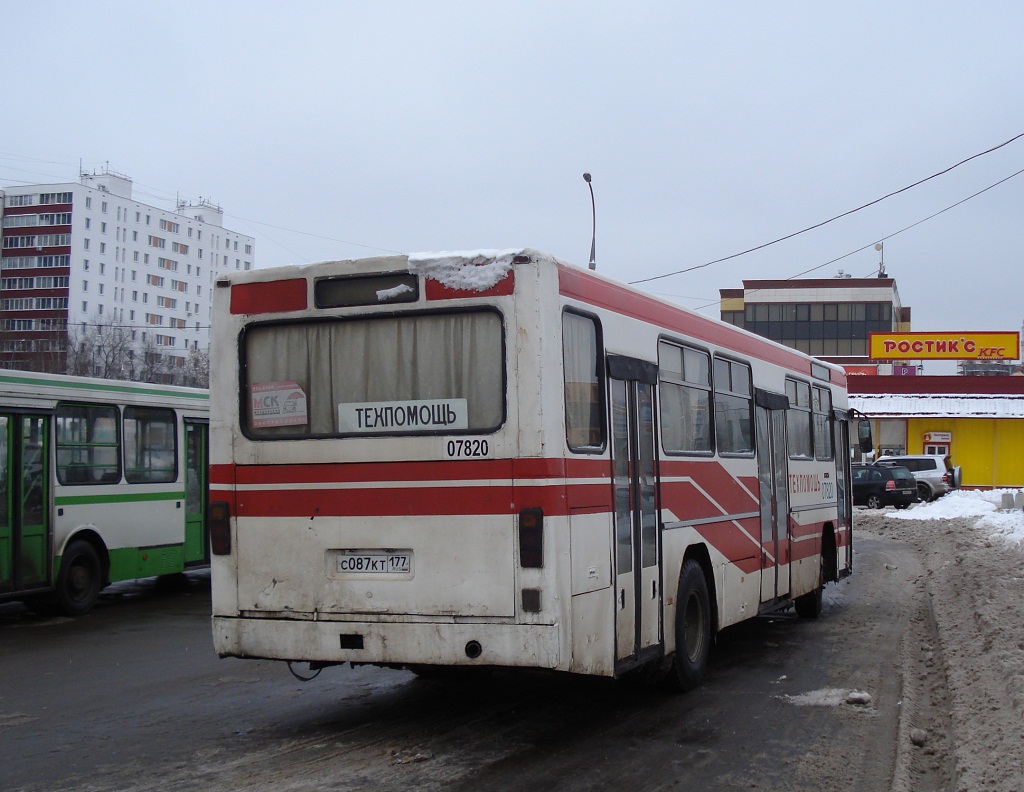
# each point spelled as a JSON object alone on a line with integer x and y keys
{"x": 593, "y": 215}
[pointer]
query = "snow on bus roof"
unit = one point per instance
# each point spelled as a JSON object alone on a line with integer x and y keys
{"x": 469, "y": 270}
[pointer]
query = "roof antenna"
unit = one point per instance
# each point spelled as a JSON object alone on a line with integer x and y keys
{"x": 881, "y": 263}
{"x": 593, "y": 213}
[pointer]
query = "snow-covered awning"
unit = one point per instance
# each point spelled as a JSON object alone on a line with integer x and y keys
{"x": 889, "y": 405}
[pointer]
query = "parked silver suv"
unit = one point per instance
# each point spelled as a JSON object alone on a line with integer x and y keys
{"x": 935, "y": 474}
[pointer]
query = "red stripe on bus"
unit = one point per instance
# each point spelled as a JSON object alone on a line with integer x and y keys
{"x": 434, "y": 290}
{"x": 269, "y": 296}
{"x": 406, "y": 502}
{"x": 447, "y": 470}
{"x": 620, "y": 299}
{"x": 711, "y": 482}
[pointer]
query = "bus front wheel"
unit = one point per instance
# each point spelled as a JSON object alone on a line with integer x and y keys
{"x": 79, "y": 583}
{"x": 693, "y": 627}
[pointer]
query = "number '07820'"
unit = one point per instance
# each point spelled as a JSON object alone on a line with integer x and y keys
{"x": 468, "y": 448}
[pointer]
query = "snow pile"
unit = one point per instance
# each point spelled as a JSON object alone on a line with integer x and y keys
{"x": 389, "y": 294}
{"x": 470, "y": 270}
{"x": 985, "y": 505}
{"x": 829, "y": 697}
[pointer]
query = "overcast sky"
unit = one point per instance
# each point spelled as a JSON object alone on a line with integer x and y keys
{"x": 332, "y": 130}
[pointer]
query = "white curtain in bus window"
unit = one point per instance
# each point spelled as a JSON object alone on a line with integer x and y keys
{"x": 685, "y": 399}
{"x": 149, "y": 445}
{"x": 798, "y": 420}
{"x": 584, "y": 421}
{"x": 87, "y": 444}
{"x": 382, "y": 361}
{"x": 733, "y": 408}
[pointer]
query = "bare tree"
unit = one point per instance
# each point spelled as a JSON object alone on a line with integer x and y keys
{"x": 196, "y": 371}
{"x": 103, "y": 348}
{"x": 100, "y": 348}
{"x": 151, "y": 364}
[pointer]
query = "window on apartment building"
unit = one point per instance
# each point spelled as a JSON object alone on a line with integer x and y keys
{"x": 103, "y": 206}
{"x": 103, "y": 247}
{"x": 85, "y": 243}
{"x": 88, "y": 202}
{"x": 88, "y": 224}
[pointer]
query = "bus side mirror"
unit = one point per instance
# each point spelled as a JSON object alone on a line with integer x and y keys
{"x": 864, "y": 438}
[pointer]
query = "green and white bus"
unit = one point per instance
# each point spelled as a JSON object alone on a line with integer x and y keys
{"x": 103, "y": 480}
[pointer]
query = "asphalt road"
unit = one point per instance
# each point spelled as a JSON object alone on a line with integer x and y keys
{"x": 132, "y": 697}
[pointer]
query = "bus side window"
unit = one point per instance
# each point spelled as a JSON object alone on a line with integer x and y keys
{"x": 88, "y": 445}
{"x": 150, "y": 445}
{"x": 584, "y": 407}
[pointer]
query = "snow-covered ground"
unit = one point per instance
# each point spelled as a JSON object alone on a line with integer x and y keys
{"x": 985, "y": 505}
{"x": 965, "y": 656}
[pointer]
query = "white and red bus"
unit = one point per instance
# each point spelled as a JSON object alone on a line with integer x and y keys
{"x": 496, "y": 458}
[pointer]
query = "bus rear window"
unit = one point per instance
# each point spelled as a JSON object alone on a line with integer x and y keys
{"x": 414, "y": 374}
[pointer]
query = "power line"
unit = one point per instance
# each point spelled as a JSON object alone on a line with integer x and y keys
{"x": 831, "y": 219}
{"x": 888, "y": 236}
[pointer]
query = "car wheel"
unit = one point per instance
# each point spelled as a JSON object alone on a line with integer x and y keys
{"x": 924, "y": 492}
{"x": 874, "y": 502}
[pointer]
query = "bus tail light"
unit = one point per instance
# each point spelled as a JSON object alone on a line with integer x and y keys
{"x": 219, "y": 523}
{"x": 531, "y": 538}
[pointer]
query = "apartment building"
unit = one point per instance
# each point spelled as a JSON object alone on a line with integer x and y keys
{"x": 85, "y": 255}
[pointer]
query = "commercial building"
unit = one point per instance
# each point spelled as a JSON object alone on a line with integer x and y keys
{"x": 830, "y": 318}
{"x": 978, "y": 421}
{"x": 86, "y": 257}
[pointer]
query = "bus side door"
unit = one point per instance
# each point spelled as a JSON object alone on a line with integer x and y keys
{"x": 638, "y": 600}
{"x": 773, "y": 486}
{"x": 24, "y": 502}
{"x": 196, "y": 492}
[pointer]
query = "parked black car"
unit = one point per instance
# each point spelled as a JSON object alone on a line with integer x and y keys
{"x": 876, "y": 486}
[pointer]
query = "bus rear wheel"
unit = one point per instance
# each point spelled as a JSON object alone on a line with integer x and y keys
{"x": 693, "y": 627}
{"x": 79, "y": 581}
{"x": 809, "y": 605}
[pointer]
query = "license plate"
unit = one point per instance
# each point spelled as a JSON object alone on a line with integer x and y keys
{"x": 369, "y": 562}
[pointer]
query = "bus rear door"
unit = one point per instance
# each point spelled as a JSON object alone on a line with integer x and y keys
{"x": 773, "y": 485}
{"x": 638, "y": 601}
